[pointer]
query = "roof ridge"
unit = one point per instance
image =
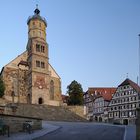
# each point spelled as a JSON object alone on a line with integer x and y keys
{"x": 127, "y": 81}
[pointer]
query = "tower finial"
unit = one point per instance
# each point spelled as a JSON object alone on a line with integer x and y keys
{"x": 127, "y": 75}
{"x": 36, "y": 6}
{"x": 37, "y": 10}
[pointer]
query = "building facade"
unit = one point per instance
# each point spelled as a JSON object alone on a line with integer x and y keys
{"x": 88, "y": 105}
{"x": 122, "y": 108}
{"x": 65, "y": 99}
{"x": 96, "y": 101}
{"x": 100, "y": 109}
{"x": 29, "y": 78}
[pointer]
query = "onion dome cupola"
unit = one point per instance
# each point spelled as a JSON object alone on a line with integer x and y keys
{"x": 37, "y": 25}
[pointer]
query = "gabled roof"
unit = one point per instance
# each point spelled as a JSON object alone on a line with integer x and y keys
{"x": 107, "y": 96}
{"x": 105, "y": 92}
{"x": 14, "y": 63}
{"x": 64, "y": 97}
{"x": 101, "y": 89}
{"x": 131, "y": 83}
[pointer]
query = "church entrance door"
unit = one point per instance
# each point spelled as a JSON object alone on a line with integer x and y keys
{"x": 40, "y": 101}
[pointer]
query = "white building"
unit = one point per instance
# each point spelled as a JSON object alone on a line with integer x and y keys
{"x": 96, "y": 101}
{"x": 122, "y": 108}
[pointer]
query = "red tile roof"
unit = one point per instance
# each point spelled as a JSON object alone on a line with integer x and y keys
{"x": 105, "y": 92}
{"x": 64, "y": 98}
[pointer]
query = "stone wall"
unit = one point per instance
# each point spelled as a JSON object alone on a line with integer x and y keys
{"x": 51, "y": 113}
{"x": 16, "y": 122}
{"x": 15, "y": 82}
{"x": 78, "y": 110}
{"x": 138, "y": 125}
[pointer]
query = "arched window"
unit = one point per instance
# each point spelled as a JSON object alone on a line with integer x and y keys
{"x": 40, "y": 101}
{"x": 52, "y": 90}
{"x": 33, "y": 23}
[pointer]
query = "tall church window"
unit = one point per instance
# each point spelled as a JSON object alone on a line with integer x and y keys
{"x": 42, "y": 65}
{"x": 52, "y": 90}
{"x": 37, "y": 63}
{"x": 42, "y": 49}
{"x": 37, "y": 47}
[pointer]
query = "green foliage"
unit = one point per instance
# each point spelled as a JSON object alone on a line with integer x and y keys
{"x": 75, "y": 93}
{"x": 2, "y": 87}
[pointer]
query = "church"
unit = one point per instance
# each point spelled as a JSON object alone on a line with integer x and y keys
{"x": 29, "y": 78}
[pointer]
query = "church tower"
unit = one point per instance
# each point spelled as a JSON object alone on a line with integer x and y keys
{"x": 37, "y": 48}
{"x": 29, "y": 77}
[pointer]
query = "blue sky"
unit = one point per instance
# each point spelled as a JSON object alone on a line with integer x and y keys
{"x": 92, "y": 41}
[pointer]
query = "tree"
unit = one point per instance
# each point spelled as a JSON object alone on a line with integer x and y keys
{"x": 75, "y": 93}
{"x": 2, "y": 87}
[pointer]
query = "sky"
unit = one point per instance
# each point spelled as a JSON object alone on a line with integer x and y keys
{"x": 94, "y": 42}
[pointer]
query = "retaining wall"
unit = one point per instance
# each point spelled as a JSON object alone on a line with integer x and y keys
{"x": 16, "y": 122}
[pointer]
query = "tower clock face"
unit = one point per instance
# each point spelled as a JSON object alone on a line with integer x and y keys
{"x": 40, "y": 82}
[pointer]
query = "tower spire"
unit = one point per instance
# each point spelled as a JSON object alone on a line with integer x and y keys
{"x": 127, "y": 75}
{"x": 36, "y": 6}
{"x": 37, "y": 11}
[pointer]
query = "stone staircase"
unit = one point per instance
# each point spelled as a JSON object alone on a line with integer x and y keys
{"x": 52, "y": 113}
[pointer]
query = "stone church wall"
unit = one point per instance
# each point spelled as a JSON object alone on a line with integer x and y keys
{"x": 57, "y": 89}
{"x": 11, "y": 76}
{"x": 16, "y": 84}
